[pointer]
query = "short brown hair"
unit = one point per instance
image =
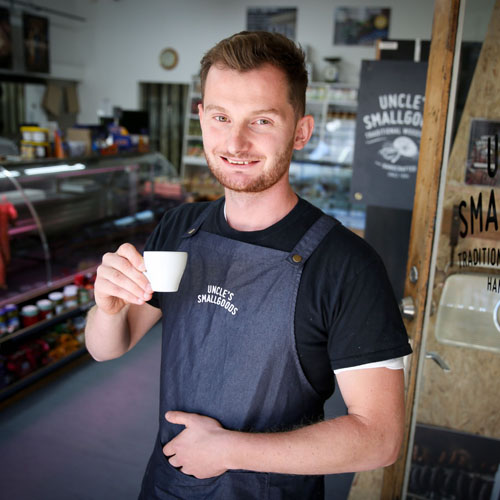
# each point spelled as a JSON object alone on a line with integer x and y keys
{"x": 249, "y": 50}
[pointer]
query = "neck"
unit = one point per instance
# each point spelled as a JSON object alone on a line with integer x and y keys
{"x": 257, "y": 211}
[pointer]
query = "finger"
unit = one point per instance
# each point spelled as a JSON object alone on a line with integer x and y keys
{"x": 167, "y": 450}
{"x": 128, "y": 267}
{"x": 174, "y": 461}
{"x": 105, "y": 289}
{"x": 110, "y": 283}
{"x": 113, "y": 262}
{"x": 128, "y": 251}
{"x": 181, "y": 417}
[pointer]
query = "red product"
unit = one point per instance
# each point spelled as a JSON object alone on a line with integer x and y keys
{"x": 29, "y": 315}
{"x": 80, "y": 280}
{"x": 8, "y": 213}
{"x": 28, "y": 358}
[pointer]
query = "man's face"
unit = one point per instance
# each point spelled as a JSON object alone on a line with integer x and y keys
{"x": 249, "y": 127}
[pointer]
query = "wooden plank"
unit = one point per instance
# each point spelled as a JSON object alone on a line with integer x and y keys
{"x": 437, "y": 94}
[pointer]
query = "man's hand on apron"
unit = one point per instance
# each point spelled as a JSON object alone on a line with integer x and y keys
{"x": 199, "y": 449}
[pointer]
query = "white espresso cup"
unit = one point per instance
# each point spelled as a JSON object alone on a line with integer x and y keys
{"x": 164, "y": 270}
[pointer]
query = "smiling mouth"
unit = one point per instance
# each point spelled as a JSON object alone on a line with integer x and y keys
{"x": 238, "y": 163}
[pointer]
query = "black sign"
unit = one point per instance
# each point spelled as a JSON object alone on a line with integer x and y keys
{"x": 5, "y": 39}
{"x": 388, "y": 130}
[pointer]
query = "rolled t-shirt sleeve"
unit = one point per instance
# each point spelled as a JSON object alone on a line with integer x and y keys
{"x": 366, "y": 326}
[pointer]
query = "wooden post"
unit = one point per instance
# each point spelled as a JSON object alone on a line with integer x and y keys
{"x": 444, "y": 30}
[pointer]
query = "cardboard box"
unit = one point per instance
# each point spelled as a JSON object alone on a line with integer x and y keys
{"x": 52, "y": 100}
{"x": 72, "y": 99}
{"x": 83, "y": 135}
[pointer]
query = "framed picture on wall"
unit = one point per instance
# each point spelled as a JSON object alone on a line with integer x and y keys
{"x": 482, "y": 156}
{"x": 36, "y": 43}
{"x": 274, "y": 19}
{"x": 5, "y": 40}
{"x": 361, "y": 25}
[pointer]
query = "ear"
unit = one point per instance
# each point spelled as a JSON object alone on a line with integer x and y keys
{"x": 303, "y": 131}
{"x": 200, "y": 114}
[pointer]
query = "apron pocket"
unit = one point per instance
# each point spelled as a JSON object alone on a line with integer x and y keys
{"x": 296, "y": 487}
{"x": 232, "y": 485}
{"x": 245, "y": 485}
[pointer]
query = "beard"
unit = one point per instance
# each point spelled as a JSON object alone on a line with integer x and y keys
{"x": 264, "y": 181}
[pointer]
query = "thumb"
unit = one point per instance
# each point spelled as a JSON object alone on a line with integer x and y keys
{"x": 179, "y": 417}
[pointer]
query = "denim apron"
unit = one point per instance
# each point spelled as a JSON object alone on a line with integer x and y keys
{"x": 228, "y": 352}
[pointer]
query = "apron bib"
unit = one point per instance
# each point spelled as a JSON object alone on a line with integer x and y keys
{"x": 228, "y": 352}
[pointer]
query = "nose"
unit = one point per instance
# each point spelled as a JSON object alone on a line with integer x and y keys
{"x": 237, "y": 139}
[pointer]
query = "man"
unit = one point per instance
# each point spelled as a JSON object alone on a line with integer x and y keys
{"x": 275, "y": 294}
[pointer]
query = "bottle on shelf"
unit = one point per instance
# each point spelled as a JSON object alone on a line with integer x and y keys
{"x": 70, "y": 293}
{"x": 29, "y": 315}
{"x": 57, "y": 299}
{"x": 45, "y": 307}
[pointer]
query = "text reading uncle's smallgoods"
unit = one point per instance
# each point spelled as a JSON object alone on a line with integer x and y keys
{"x": 220, "y": 297}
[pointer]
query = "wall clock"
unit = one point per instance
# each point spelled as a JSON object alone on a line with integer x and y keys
{"x": 169, "y": 58}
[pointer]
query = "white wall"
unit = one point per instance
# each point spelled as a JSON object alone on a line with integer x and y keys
{"x": 119, "y": 43}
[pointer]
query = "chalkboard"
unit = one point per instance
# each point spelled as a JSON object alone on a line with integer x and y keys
{"x": 388, "y": 129}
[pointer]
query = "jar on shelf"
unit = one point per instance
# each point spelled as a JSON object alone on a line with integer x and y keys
{"x": 3, "y": 321}
{"x": 13, "y": 322}
{"x": 45, "y": 308}
{"x": 70, "y": 296}
{"x": 83, "y": 296}
{"x": 29, "y": 315}
{"x": 79, "y": 324}
{"x": 57, "y": 299}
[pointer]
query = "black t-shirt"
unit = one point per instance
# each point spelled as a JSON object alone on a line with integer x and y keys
{"x": 346, "y": 314}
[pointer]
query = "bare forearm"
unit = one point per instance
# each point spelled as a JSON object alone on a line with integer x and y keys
{"x": 369, "y": 437}
{"x": 107, "y": 336}
{"x": 344, "y": 444}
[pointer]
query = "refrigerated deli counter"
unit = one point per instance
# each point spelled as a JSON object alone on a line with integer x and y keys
{"x": 57, "y": 219}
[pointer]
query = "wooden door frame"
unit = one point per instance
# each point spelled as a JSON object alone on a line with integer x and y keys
{"x": 432, "y": 145}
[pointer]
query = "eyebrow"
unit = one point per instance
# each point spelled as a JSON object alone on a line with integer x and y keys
{"x": 268, "y": 111}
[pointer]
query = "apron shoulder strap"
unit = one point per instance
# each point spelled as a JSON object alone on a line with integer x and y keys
{"x": 311, "y": 239}
{"x": 195, "y": 226}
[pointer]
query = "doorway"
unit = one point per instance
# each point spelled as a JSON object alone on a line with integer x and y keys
{"x": 456, "y": 434}
{"x": 453, "y": 421}
{"x": 166, "y": 106}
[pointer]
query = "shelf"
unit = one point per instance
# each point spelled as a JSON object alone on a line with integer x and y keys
{"x": 195, "y": 160}
{"x": 23, "y": 226}
{"x": 67, "y": 227}
{"x": 345, "y": 104}
{"x": 316, "y": 102}
{"x": 37, "y": 291}
{"x": 24, "y": 382}
{"x": 41, "y": 326}
{"x": 327, "y": 162}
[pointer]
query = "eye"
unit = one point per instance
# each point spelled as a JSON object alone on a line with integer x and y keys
{"x": 262, "y": 121}
{"x": 220, "y": 118}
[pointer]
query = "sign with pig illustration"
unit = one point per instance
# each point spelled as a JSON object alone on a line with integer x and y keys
{"x": 388, "y": 131}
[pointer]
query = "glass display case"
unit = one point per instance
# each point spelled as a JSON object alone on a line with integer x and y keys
{"x": 328, "y": 187}
{"x": 63, "y": 216}
{"x": 333, "y": 107}
{"x": 196, "y": 176}
{"x": 321, "y": 172}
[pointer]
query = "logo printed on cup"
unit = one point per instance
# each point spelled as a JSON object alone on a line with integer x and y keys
{"x": 164, "y": 270}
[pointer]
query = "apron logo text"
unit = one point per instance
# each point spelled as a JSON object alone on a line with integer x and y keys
{"x": 220, "y": 297}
